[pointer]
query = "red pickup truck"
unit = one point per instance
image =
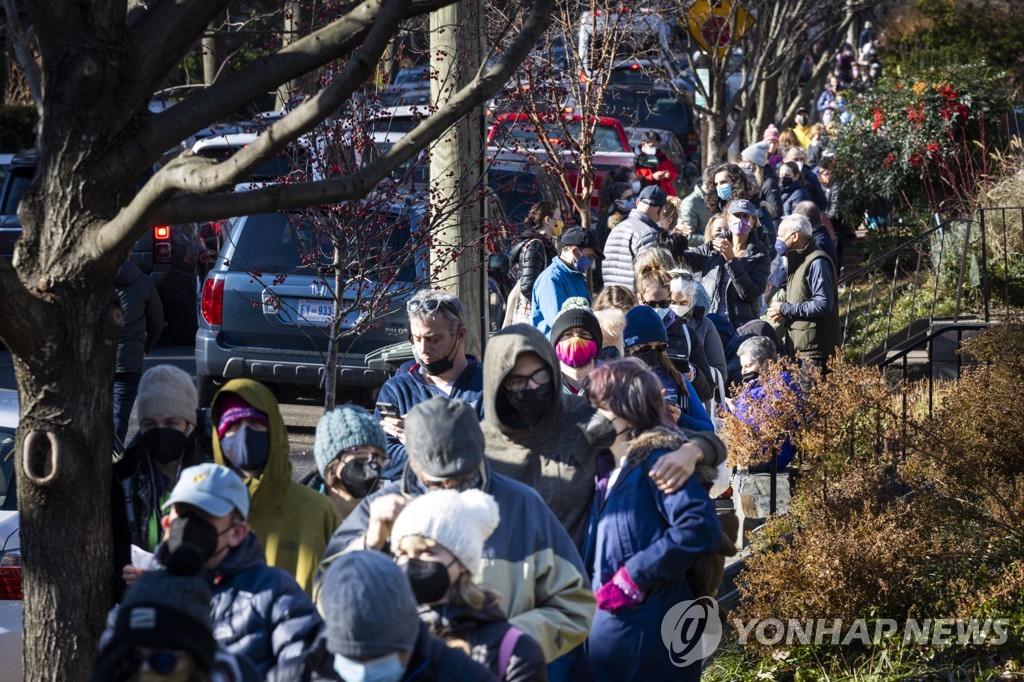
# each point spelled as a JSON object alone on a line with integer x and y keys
{"x": 514, "y": 134}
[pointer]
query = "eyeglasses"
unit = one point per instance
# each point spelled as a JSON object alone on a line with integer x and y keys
{"x": 516, "y": 383}
{"x": 647, "y": 348}
{"x": 664, "y": 303}
{"x": 160, "y": 661}
{"x": 365, "y": 453}
{"x": 429, "y": 305}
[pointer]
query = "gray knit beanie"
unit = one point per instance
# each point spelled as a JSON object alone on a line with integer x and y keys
{"x": 368, "y": 607}
{"x": 165, "y": 389}
{"x": 345, "y": 427}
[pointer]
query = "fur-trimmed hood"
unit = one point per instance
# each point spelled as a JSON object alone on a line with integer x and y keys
{"x": 663, "y": 438}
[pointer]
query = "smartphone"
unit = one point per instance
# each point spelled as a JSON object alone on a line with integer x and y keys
{"x": 388, "y": 410}
{"x": 722, "y": 235}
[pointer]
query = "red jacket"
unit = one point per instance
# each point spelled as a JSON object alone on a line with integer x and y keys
{"x": 664, "y": 164}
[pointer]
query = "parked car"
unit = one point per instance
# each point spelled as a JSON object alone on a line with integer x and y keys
{"x": 267, "y": 302}
{"x": 10, "y": 545}
{"x": 169, "y": 254}
{"x": 521, "y": 184}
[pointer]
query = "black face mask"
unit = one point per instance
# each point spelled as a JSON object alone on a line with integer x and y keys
{"x": 191, "y": 541}
{"x": 651, "y": 358}
{"x": 786, "y": 182}
{"x": 532, "y": 403}
{"x": 429, "y": 580}
{"x": 164, "y": 444}
{"x": 750, "y": 376}
{"x": 599, "y": 432}
{"x": 360, "y": 478}
{"x": 247, "y": 449}
{"x": 438, "y": 367}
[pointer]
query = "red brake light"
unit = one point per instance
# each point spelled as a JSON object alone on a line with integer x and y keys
{"x": 634, "y": 67}
{"x": 213, "y": 301}
{"x": 10, "y": 577}
{"x": 162, "y": 233}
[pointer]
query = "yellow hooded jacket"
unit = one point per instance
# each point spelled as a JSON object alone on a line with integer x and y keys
{"x": 292, "y": 521}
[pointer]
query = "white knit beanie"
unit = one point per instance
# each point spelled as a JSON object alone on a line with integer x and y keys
{"x": 459, "y": 522}
{"x": 165, "y": 389}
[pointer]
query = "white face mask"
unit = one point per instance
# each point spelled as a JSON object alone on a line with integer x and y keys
{"x": 681, "y": 310}
{"x": 387, "y": 668}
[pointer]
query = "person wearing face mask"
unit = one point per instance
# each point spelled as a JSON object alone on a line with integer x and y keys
{"x": 769, "y": 192}
{"x": 293, "y": 523}
{"x": 684, "y": 350}
{"x": 350, "y": 455}
{"x": 772, "y": 136}
{"x": 164, "y": 445}
{"x": 693, "y": 214}
{"x": 683, "y": 295}
{"x": 653, "y": 166}
{"x": 802, "y": 128}
{"x": 644, "y": 546}
{"x": 258, "y": 611}
{"x": 734, "y": 266}
{"x": 638, "y": 230}
{"x": 539, "y": 574}
{"x": 533, "y": 252}
{"x": 645, "y": 339}
{"x": 566, "y": 277}
{"x": 793, "y": 190}
{"x": 810, "y": 311}
{"x": 807, "y": 176}
{"x": 578, "y": 339}
{"x": 163, "y": 633}
{"x": 438, "y": 331}
{"x": 439, "y": 540}
{"x": 372, "y": 632}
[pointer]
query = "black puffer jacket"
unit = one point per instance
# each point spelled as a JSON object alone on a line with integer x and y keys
{"x": 143, "y": 317}
{"x": 483, "y": 631}
{"x": 431, "y": 660}
{"x": 683, "y": 341}
{"x": 531, "y": 255}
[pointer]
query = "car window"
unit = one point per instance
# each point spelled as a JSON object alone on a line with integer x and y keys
{"x": 518, "y": 191}
{"x": 288, "y": 244}
{"x": 606, "y": 137}
{"x": 7, "y": 497}
{"x": 658, "y": 109}
{"x": 17, "y": 184}
{"x": 280, "y": 166}
{"x": 393, "y": 125}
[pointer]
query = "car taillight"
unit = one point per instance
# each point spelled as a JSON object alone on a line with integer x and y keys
{"x": 10, "y": 576}
{"x": 213, "y": 301}
{"x": 162, "y": 244}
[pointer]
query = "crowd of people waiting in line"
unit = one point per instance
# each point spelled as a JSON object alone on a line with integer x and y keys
{"x": 529, "y": 515}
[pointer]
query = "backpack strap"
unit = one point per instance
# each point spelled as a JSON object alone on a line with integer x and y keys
{"x": 508, "y": 645}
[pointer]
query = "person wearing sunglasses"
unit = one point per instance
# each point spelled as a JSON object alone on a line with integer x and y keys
{"x": 645, "y": 339}
{"x": 685, "y": 351}
{"x": 350, "y": 455}
{"x": 163, "y": 631}
{"x": 438, "y": 331}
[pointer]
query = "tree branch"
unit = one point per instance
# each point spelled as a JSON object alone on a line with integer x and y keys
{"x": 263, "y": 75}
{"x": 23, "y": 53}
{"x": 186, "y": 208}
{"x": 19, "y": 332}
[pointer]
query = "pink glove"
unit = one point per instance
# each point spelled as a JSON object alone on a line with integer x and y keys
{"x": 619, "y": 592}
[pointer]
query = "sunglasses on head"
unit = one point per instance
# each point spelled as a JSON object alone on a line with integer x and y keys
{"x": 429, "y": 305}
{"x": 647, "y": 348}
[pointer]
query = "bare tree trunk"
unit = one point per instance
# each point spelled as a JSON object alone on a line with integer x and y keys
{"x": 211, "y": 56}
{"x": 331, "y": 367}
{"x": 456, "y": 48}
{"x": 292, "y": 24}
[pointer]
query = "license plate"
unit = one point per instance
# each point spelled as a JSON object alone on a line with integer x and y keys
{"x": 314, "y": 311}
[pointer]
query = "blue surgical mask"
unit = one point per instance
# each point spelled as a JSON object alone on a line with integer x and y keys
{"x": 781, "y": 247}
{"x": 387, "y": 668}
{"x": 724, "y": 192}
{"x": 626, "y": 205}
{"x": 663, "y": 312}
{"x": 583, "y": 263}
{"x": 247, "y": 448}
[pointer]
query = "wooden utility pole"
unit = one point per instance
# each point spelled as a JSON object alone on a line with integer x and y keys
{"x": 457, "y": 259}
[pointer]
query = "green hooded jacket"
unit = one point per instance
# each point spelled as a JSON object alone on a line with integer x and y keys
{"x": 292, "y": 521}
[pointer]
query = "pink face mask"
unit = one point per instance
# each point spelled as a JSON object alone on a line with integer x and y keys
{"x": 739, "y": 226}
{"x": 576, "y": 352}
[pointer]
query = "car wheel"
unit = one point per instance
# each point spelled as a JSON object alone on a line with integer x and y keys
{"x": 207, "y": 389}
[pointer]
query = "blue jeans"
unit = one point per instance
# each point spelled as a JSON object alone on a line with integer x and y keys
{"x": 126, "y": 387}
{"x": 570, "y": 667}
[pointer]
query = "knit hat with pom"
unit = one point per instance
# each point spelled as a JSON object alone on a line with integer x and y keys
{"x": 459, "y": 522}
{"x": 771, "y": 133}
{"x": 345, "y": 427}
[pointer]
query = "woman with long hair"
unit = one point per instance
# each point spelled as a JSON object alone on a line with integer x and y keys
{"x": 643, "y": 546}
{"x": 533, "y": 252}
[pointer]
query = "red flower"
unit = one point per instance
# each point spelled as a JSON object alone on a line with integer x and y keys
{"x": 933, "y": 149}
{"x": 889, "y": 159}
{"x": 879, "y": 118}
{"x": 915, "y": 160}
{"x": 915, "y": 115}
{"x": 949, "y": 93}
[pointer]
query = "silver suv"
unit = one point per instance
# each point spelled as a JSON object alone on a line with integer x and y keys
{"x": 268, "y": 302}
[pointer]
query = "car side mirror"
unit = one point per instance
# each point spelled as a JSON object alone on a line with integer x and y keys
{"x": 498, "y": 265}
